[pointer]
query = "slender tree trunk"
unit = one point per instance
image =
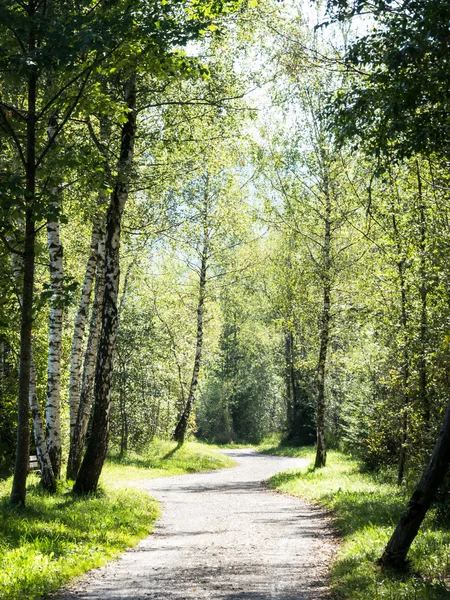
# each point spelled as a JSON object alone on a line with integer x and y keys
{"x": 181, "y": 428}
{"x": 53, "y": 405}
{"x": 321, "y": 453}
{"x": 398, "y": 546}
{"x": 123, "y": 415}
{"x": 423, "y": 391}
{"x": 48, "y": 479}
{"x": 18, "y": 492}
{"x": 405, "y": 366}
{"x": 288, "y": 381}
{"x": 91, "y": 467}
{"x": 85, "y": 400}
{"x": 80, "y": 327}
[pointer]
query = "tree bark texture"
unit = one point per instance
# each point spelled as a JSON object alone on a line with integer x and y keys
{"x": 53, "y": 404}
{"x": 78, "y": 438}
{"x": 91, "y": 467}
{"x": 398, "y": 546}
{"x": 81, "y": 320}
{"x": 18, "y": 492}
{"x": 321, "y": 452}
{"x": 181, "y": 428}
{"x": 48, "y": 479}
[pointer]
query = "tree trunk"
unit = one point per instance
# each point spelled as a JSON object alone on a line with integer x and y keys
{"x": 181, "y": 428}
{"x": 53, "y": 405}
{"x": 123, "y": 414}
{"x": 321, "y": 453}
{"x": 405, "y": 366}
{"x": 48, "y": 479}
{"x": 85, "y": 399}
{"x": 18, "y": 492}
{"x": 94, "y": 458}
{"x": 288, "y": 342}
{"x": 398, "y": 546}
{"x": 79, "y": 329}
{"x": 423, "y": 391}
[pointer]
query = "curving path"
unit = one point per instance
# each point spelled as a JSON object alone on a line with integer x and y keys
{"x": 222, "y": 536}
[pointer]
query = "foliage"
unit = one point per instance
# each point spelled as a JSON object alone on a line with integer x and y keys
{"x": 365, "y": 507}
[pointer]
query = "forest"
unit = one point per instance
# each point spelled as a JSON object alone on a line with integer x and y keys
{"x": 227, "y": 222}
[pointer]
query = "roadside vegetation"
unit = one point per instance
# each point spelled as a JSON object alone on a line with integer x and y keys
{"x": 365, "y": 507}
{"x": 58, "y": 537}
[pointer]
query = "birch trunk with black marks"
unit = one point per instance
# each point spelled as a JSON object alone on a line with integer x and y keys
{"x": 91, "y": 467}
{"x": 396, "y": 551}
{"x": 53, "y": 404}
{"x": 181, "y": 428}
{"x": 78, "y": 438}
{"x": 321, "y": 452}
{"x": 48, "y": 479}
{"x": 18, "y": 492}
{"x": 81, "y": 320}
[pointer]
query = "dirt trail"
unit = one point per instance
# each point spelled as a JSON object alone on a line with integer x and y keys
{"x": 222, "y": 536}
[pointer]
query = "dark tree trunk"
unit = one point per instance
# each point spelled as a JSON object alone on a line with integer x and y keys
{"x": 91, "y": 467}
{"x": 405, "y": 365}
{"x": 181, "y": 428}
{"x": 18, "y": 492}
{"x": 423, "y": 391}
{"x": 321, "y": 453}
{"x": 398, "y": 546}
{"x": 290, "y": 401}
{"x": 123, "y": 415}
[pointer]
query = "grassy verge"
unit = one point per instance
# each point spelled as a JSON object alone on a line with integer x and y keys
{"x": 163, "y": 459}
{"x": 56, "y": 538}
{"x": 366, "y": 508}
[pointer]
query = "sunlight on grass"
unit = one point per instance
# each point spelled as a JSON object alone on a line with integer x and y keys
{"x": 163, "y": 458}
{"x": 365, "y": 510}
{"x": 56, "y": 538}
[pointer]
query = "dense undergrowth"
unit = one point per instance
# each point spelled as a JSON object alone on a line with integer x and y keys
{"x": 55, "y": 538}
{"x": 366, "y": 507}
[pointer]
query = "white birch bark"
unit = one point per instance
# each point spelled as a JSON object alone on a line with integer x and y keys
{"x": 91, "y": 467}
{"x": 80, "y": 327}
{"x": 48, "y": 479}
{"x": 85, "y": 399}
{"x": 53, "y": 405}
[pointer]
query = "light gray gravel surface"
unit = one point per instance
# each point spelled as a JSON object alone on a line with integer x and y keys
{"x": 222, "y": 535}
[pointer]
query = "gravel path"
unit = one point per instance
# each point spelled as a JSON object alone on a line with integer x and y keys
{"x": 222, "y": 536}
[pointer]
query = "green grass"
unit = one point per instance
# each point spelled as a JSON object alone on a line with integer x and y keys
{"x": 365, "y": 509}
{"x": 55, "y": 538}
{"x": 162, "y": 459}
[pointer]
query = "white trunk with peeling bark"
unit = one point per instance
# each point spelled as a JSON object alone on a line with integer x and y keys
{"x": 80, "y": 328}
{"x": 53, "y": 405}
{"x": 48, "y": 479}
{"x": 85, "y": 399}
